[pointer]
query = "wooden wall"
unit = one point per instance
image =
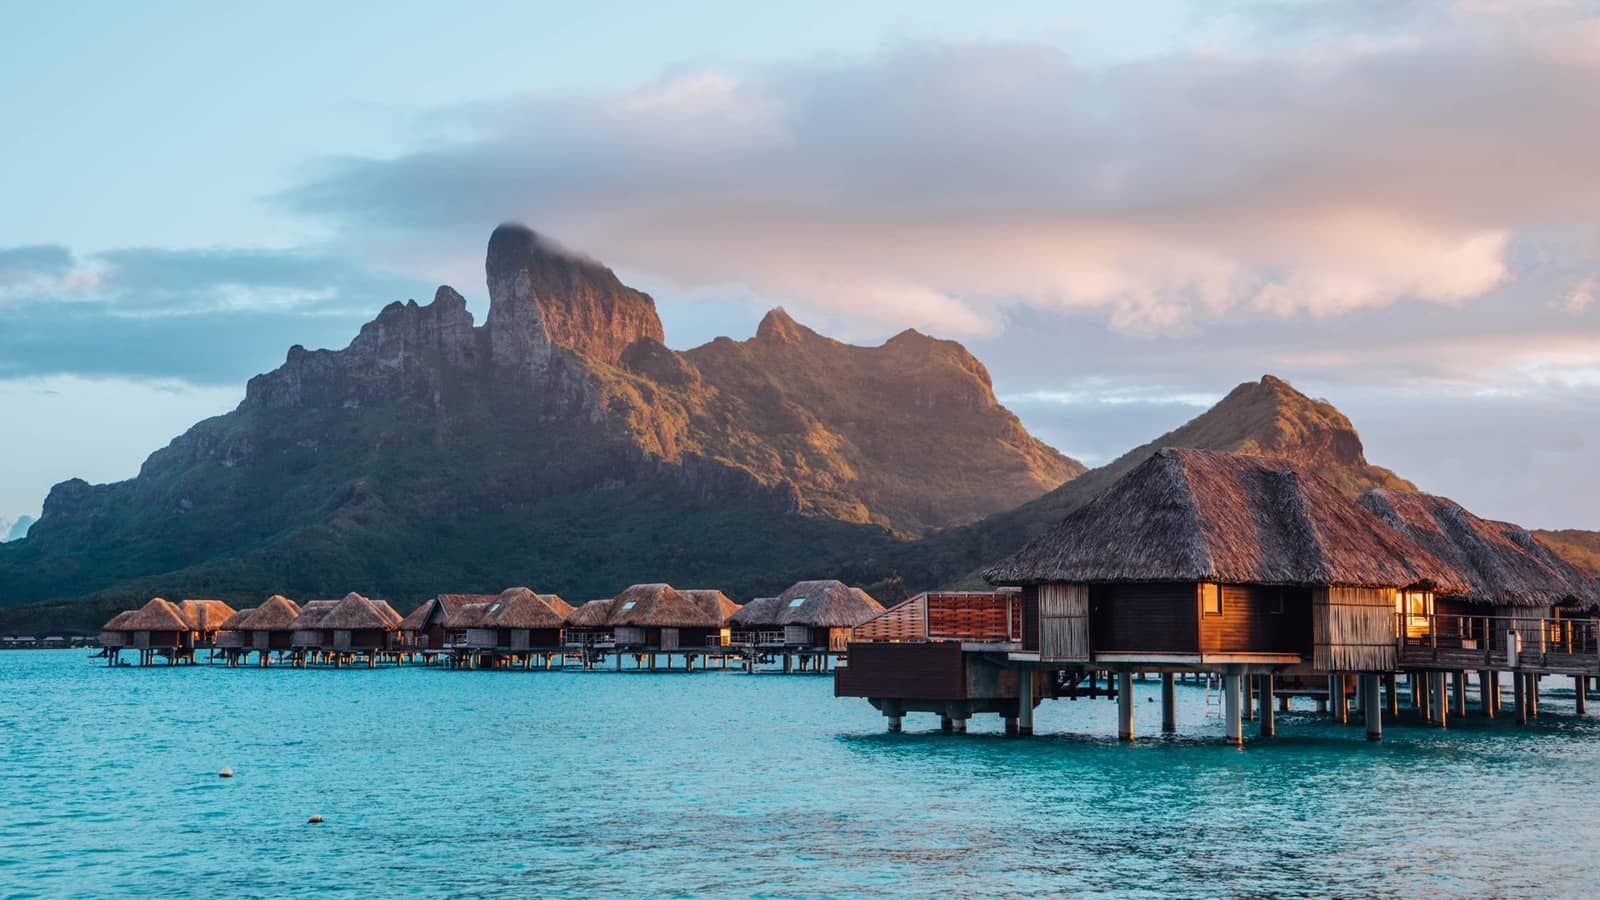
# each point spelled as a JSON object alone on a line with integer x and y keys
{"x": 1258, "y": 619}
{"x": 1158, "y": 617}
{"x": 1353, "y": 629}
{"x": 903, "y": 672}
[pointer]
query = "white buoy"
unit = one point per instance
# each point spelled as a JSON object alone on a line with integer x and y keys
{"x": 314, "y": 820}
{"x": 225, "y": 773}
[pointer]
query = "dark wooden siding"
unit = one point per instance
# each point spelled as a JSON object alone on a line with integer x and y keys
{"x": 1156, "y": 617}
{"x": 1030, "y": 617}
{"x": 1259, "y": 619}
{"x": 903, "y": 672}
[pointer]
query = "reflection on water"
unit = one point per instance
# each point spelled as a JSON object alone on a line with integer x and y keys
{"x": 719, "y": 782}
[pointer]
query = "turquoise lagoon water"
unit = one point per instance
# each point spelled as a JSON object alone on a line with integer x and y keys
{"x": 519, "y": 783}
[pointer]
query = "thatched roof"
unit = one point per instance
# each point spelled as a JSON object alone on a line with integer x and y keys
{"x": 1501, "y": 563}
{"x": 473, "y": 613}
{"x": 236, "y": 622}
{"x": 1199, "y": 515}
{"x": 439, "y": 609}
{"x": 389, "y": 612}
{"x": 760, "y": 611}
{"x": 312, "y": 614}
{"x": 593, "y": 614}
{"x": 278, "y": 613}
{"x": 157, "y": 615}
{"x": 562, "y": 608}
{"x": 819, "y": 604}
{"x": 205, "y": 615}
{"x": 713, "y": 601}
{"x": 119, "y": 621}
{"x": 522, "y": 608}
{"x": 357, "y": 613}
{"x": 660, "y": 606}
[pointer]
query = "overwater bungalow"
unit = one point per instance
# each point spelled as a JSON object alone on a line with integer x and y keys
{"x": 264, "y": 630}
{"x": 647, "y": 619}
{"x": 424, "y": 630}
{"x": 719, "y": 605}
{"x": 205, "y": 618}
{"x": 510, "y": 628}
{"x": 1524, "y": 609}
{"x": 1194, "y": 561}
{"x": 158, "y": 628}
{"x": 341, "y": 630}
{"x": 811, "y": 621}
{"x": 307, "y": 636}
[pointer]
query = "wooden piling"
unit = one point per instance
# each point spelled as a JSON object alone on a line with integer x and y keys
{"x": 1025, "y": 702}
{"x": 1459, "y": 680}
{"x": 1372, "y": 708}
{"x": 1125, "y": 705}
{"x": 1269, "y": 726}
{"x": 1230, "y": 707}
{"x": 1486, "y": 697}
{"x": 1336, "y": 695}
{"x": 1580, "y": 688}
{"x": 1169, "y": 703}
{"x": 1519, "y": 688}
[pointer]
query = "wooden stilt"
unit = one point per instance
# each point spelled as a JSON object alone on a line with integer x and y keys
{"x": 1125, "y": 706}
{"x": 1269, "y": 726}
{"x": 1025, "y": 702}
{"x": 1247, "y": 685}
{"x": 1459, "y": 680}
{"x": 1230, "y": 707}
{"x": 1580, "y": 687}
{"x": 1486, "y": 697}
{"x": 895, "y": 724}
{"x": 1392, "y": 685}
{"x": 1169, "y": 703}
{"x": 1519, "y": 690}
{"x": 1533, "y": 696}
{"x": 1441, "y": 700}
{"x": 1372, "y": 707}
{"x": 1336, "y": 695}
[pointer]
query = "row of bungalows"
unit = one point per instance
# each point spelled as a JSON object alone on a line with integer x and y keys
{"x": 1194, "y": 561}
{"x": 163, "y": 629}
{"x": 1523, "y": 610}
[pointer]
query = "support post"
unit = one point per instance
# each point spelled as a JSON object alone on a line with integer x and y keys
{"x": 1269, "y": 725}
{"x": 1247, "y": 683}
{"x": 1169, "y": 703}
{"x": 1372, "y": 708}
{"x": 1580, "y": 688}
{"x": 1125, "y": 705}
{"x": 895, "y": 724}
{"x": 1486, "y": 697}
{"x": 1392, "y": 684}
{"x": 1441, "y": 700}
{"x": 1341, "y": 703}
{"x": 1519, "y": 693}
{"x": 1025, "y": 702}
{"x": 1533, "y": 695}
{"x": 1460, "y": 680}
{"x": 1230, "y": 707}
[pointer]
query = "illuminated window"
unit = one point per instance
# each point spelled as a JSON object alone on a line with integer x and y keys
{"x": 1211, "y": 599}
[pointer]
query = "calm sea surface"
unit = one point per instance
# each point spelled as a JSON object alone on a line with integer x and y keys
{"x": 517, "y": 783}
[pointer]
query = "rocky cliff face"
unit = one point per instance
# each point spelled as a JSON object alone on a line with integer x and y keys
{"x": 562, "y": 434}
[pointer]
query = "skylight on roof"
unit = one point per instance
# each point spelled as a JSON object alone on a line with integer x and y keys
{"x": 797, "y": 602}
{"x": 495, "y": 608}
{"x": 627, "y": 606}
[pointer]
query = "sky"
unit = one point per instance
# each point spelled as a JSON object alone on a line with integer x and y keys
{"x": 1123, "y": 209}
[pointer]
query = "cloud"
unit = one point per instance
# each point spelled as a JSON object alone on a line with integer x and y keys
{"x": 1375, "y": 158}
{"x": 208, "y": 316}
{"x": 1580, "y": 298}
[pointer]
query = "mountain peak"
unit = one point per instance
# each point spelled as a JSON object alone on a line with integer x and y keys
{"x": 542, "y": 295}
{"x": 778, "y": 325}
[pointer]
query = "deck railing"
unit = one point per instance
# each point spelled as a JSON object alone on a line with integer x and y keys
{"x": 756, "y": 639}
{"x": 1497, "y": 641}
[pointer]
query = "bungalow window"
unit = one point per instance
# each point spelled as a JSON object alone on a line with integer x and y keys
{"x": 1211, "y": 599}
{"x": 1275, "y": 603}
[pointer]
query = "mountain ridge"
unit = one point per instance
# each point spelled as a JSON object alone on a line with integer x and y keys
{"x": 558, "y": 443}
